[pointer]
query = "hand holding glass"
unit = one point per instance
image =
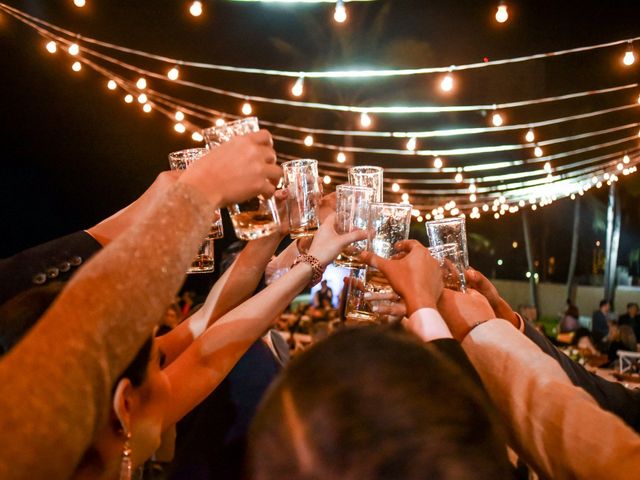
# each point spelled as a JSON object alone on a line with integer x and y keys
{"x": 303, "y": 201}
{"x": 352, "y": 213}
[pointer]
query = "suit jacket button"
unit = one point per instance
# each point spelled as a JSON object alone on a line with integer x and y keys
{"x": 64, "y": 267}
{"x": 39, "y": 278}
{"x": 76, "y": 260}
{"x": 52, "y": 272}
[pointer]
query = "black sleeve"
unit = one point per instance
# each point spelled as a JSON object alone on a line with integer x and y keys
{"x": 454, "y": 352}
{"x": 611, "y": 396}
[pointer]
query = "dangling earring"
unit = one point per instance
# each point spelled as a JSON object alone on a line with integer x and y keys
{"x": 125, "y": 463}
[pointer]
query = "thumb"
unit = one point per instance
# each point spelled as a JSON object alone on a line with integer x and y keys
{"x": 374, "y": 261}
{"x": 353, "y": 236}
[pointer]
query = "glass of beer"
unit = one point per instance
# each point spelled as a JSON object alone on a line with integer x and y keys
{"x": 388, "y": 224}
{"x": 356, "y": 309}
{"x": 449, "y": 230}
{"x": 257, "y": 217}
{"x": 366, "y": 176}
{"x": 352, "y": 213}
{"x": 451, "y": 263}
{"x": 303, "y": 201}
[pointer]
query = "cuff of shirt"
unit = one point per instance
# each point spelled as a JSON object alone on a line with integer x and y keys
{"x": 428, "y": 324}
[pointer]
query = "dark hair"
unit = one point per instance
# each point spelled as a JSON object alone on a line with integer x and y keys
{"x": 580, "y": 333}
{"x": 603, "y": 302}
{"x": 572, "y": 311}
{"x": 376, "y": 403}
{"x": 632, "y": 304}
{"x": 136, "y": 372}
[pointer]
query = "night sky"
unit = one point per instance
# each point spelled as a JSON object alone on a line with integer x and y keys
{"x": 74, "y": 152}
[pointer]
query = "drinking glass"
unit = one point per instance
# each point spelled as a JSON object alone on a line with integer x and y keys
{"x": 357, "y": 309}
{"x": 449, "y": 230}
{"x": 257, "y": 217}
{"x": 366, "y": 176}
{"x": 352, "y": 213}
{"x": 181, "y": 160}
{"x": 388, "y": 224}
{"x": 303, "y": 201}
{"x": 449, "y": 256}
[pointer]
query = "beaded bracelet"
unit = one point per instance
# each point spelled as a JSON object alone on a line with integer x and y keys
{"x": 315, "y": 267}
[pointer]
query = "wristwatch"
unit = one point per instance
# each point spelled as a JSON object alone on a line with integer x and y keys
{"x": 315, "y": 267}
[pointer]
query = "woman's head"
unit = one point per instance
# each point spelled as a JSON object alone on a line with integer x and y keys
{"x": 375, "y": 403}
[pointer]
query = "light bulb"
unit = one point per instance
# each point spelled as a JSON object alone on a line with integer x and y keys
{"x": 485, "y": 208}
{"x": 458, "y": 177}
{"x": 412, "y": 144}
{"x": 179, "y": 116}
{"x": 365, "y": 120}
{"x": 420, "y": 219}
{"x": 446, "y": 84}
{"x": 52, "y": 47}
{"x": 530, "y": 136}
{"x": 146, "y": 108}
{"x": 620, "y": 167}
{"x": 326, "y": 180}
{"x": 298, "y": 88}
{"x": 340, "y": 13}
{"x": 547, "y": 167}
{"x": 195, "y": 9}
{"x": 626, "y": 159}
{"x": 473, "y": 188}
{"x": 112, "y": 85}
{"x": 496, "y": 215}
{"x": 341, "y": 157}
{"x": 76, "y": 67}
{"x": 141, "y": 84}
{"x": 179, "y": 127}
{"x": 247, "y": 109}
{"x": 472, "y": 197}
{"x": 128, "y": 98}
{"x": 73, "y": 49}
{"x": 502, "y": 15}
{"x": 538, "y": 152}
{"x": 308, "y": 140}
{"x": 395, "y": 188}
{"x": 220, "y": 122}
{"x": 142, "y": 98}
{"x": 197, "y": 137}
{"x": 79, "y": 3}
{"x": 497, "y": 119}
{"x": 173, "y": 74}
{"x": 405, "y": 197}
{"x": 437, "y": 162}
{"x": 629, "y": 57}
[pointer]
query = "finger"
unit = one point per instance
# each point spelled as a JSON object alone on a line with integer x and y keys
{"x": 268, "y": 190}
{"x": 263, "y": 137}
{"x": 354, "y": 236}
{"x": 374, "y": 260}
{"x": 407, "y": 245}
{"x": 394, "y": 310}
{"x": 281, "y": 195}
{"x": 273, "y": 174}
{"x": 375, "y": 297}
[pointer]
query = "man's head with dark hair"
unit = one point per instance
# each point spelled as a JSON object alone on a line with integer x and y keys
{"x": 375, "y": 403}
{"x": 605, "y": 303}
{"x": 632, "y": 309}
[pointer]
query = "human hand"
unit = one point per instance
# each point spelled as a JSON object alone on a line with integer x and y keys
{"x": 464, "y": 311}
{"x": 415, "y": 275}
{"x": 327, "y": 207}
{"x": 327, "y": 243}
{"x": 237, "y": 170}
{"x": 501, "y": 308}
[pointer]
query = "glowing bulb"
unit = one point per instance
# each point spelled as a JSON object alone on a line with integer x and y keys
{"x": 497, "y": 119}
{"x": 141, "y": 84}
{"x": 502, "y": 15}
{"x": 496, "y": 215}
{"x": 308, "y": 140}
{"x": 340, "y": 13}
{"x": 197, "y": 137}
{"x": 629, "y": 57}
{"x": 196, "y": 9}
{"x": 173, "y": 74}
{"x": 247, "y": 109}
{"x": 146, "y": 108}
{"x": 73, "y": 49}
{"x": 220, "y": 122}
{"x": 365, "y": 120}
{"x": 412, "y": 144}
{"x": 179, "y": 127}
{"x": 76, "y": 67}
{"x": 79, "y": 3}
{"x": 52, "y": 47}
{"x": 473, "y": 188}
{"x": 395, "y": 187}
{"x": 128, "y": 98}
{"x": 179, "y": 116}
{"x": 485, "y": 208}
{"x": 626, "y": 159}
{"x": 420, "y": 219}
{"x": 458, "y": 177}
{"x": 326, "y": 180}
{"x": 446, "y": 84}
{"x": 405, "y": 197}
{"x": 530, "y": 136}
{"x": 142, "y": 98}
{"x": 538, "y": 152}
{"x": 437, "y": 162}
{"x": 112, "y": 85}
{"x": 341, "y": 157}
{"x": 298, "y": 88}
{"x": 472, "y": 197}
{"x": 547, "y": 167}
{"x": 619, "y": 166}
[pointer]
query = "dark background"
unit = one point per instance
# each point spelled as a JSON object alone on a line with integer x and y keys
{"x": 73, "y": 152}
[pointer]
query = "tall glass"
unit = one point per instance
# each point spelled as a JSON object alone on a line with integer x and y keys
{"x": 352, "y": 213}
{"x": 257, "y": 217}
{"x": 449, "y": 230}
{"x": 367, "y": 176}
{"x": 357, "y": 309}
{"x": 303, "y": 202}
{"x": 451, "y": 263}
{"x": 388, "y": 224}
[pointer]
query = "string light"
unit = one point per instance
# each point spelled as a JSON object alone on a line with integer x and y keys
{"x": 179, "y": 116}
{"x": 458, "y": 177}
{"x": 341, "y": 157}
{"x": 141, "y": 84}
{"x": 197, "y": 137}
{"x": 412, "y": 144}
{"x": 173, "y": 73}
{"x": 128, "y": 98}
{"x": 247, "y": 109}
{"x": 629, "y": 56}
{"x": 626, "y": 159}
{"x": 146, "y": 108}
{"x": 473, "y": 197}
{"x": 73, "y": 49}
{"x": 179, "y": 127}
{"x": 530, "y": 136}
{"x": 497, "y": 119}
{"x": 326, "y": 180}
{"x": 405, "y": 197}
{"x": 308, "y": 140}
{"x": 538, "y": 152}
{"x": 547, "y": 167}
{"x": 420, "y": 219}
{"x": 502, "y": 14}
{"x": 112, "y": 85}
{"x": 298, "y": 88}
{"x": 340, "y": 12}
{"x": 52, "y": 47}
{"x": 220, "y": 122}
{"x": 142, "y": 98}
{"x": 365, "y": 120}
{"x": 446, "y": 84}
{"x": 395, "y": 188}
{"x": 79, "y": 3}
{"x": 195, "y": 9}
{"x": 437, "y": 162}
{"x": 76, "y": 67}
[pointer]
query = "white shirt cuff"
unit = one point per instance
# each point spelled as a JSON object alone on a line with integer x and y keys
{"x": 521, "y": 320}
{"x": 428, "y": 324}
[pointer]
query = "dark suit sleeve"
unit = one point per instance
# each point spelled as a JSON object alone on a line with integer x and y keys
{"x": 611, "y": 396}
{"x": 57, "y": 259}
{"x": 454, "y": 353}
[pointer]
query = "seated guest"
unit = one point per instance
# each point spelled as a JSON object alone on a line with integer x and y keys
{"x": 600, "y": 319}
{"x": 583, "y": 340}
{"x": 569, "y": 322}
{"x": 631, "y": 318}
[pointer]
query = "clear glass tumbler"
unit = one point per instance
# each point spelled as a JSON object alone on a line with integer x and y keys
{"x": 352, "y": 213}
{"x": 257, "y": 217}
{"x": 449, "y": 256}
{"x": 449, "y": 230}
{"x": 366, "y": 176}
{"x": 303, "y": 202}
{"x": 357, "y": 310}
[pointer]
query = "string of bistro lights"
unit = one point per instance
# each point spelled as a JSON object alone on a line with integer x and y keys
{"x": 564, "y": 180}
